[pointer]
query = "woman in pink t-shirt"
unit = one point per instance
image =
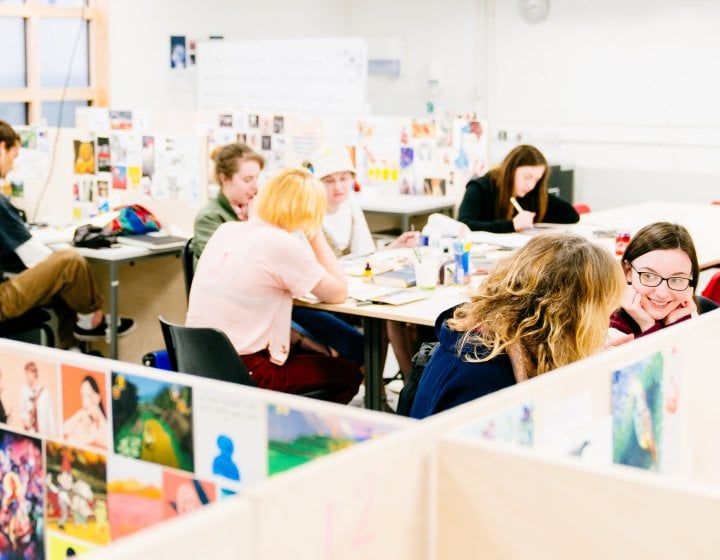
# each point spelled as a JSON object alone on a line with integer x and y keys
{"x": 250, "y": 272}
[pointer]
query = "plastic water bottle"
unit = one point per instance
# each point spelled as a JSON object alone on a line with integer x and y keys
{"x": 459, "y": 252}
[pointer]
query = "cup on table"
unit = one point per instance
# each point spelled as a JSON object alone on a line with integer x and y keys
{"x": 426, "y": 273}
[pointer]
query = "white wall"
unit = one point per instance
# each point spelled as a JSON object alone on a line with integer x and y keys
{"x": 622, "y": 91}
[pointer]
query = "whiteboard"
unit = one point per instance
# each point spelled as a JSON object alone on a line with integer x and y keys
{"x": 327, "y": 76}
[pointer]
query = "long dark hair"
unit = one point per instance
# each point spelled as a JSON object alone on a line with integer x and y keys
{"x": 505, "y": 182}
{"x": 94, "y": 386}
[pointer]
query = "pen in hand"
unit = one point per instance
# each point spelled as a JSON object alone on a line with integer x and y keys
{"x": 516, "y": 204}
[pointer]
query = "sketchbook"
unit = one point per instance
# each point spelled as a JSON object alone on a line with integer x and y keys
{"x": 153, "y": 241}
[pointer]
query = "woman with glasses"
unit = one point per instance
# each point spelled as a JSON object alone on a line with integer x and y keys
{"x": 661, "y": 269}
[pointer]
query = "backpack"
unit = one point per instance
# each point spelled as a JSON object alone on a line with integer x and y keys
{"x": 419, "y": 361}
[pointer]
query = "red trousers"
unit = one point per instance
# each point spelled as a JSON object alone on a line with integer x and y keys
{"x": 305, "y": 372}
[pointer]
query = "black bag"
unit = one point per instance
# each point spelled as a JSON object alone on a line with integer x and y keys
{"x": 419, "y": 361}
{"x": 93, "y": 237}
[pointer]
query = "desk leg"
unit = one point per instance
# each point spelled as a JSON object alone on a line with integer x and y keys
{"x": 112, "y": 327}
{"x": 372, "y": 329}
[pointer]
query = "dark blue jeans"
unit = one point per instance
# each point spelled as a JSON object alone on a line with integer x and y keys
{"x": 331, "y": 331}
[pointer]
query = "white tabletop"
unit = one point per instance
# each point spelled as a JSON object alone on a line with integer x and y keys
{"x": 403, "y": 204}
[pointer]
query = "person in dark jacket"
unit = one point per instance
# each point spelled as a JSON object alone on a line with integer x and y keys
{"x": 492, "y": 202}
{"x": 546, "y": 306}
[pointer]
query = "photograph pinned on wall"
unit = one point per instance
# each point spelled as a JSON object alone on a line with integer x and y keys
{"x": 103, "y": 154}
{"x": 591, "y": 443}
{"x": 241, "y": 138}
{"x": 152, "y": 420}
{"x": 83, "y": 188}
{"x": 183, "y": 494}
{"x": 253, "y": 141}
{"x": 103, "y": 186}
{"x": 60, "y": 546}
{"x": 296, "y": 437}
{"x": 423, "y": 129}
{"x": 253, "y": 120}
{"x": 278, "y": 124}
{"x": 119, "y": 177}
{"x": 470, "y": 147}
{"x": 28, "y": 137}
{"x": 135, "y": 495}
{"x": 407, "y": 156}
{"x": 178, "y": 52}
{"x": 148, "y": 156}
{"x": 177, "y": 174}
{"x": 77, "y": 493}
{"x": 119, "y": 148}
{"x": 434, "y": 186}
{"x": 266, "y": 143}
{"x": 29, "y": 394}
{"x": 192, "y": 51}
{"x": 230, "y": 437}
{"x": 84, "y": 407}
{"x": 637, "y": 409}
{"x": 120, "y": 120}
{"x": 134, "y": 177}
{"x": 266, "y": 124}
{"x": 84, "y": 151}
{"x": 17, "y": 188}
{"x": 513, "y": 425}
{"x": 225, "y": 120}
{"x": 23, "y": 484}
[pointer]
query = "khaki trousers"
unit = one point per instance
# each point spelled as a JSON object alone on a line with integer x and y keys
{"x": 64, "y": 281}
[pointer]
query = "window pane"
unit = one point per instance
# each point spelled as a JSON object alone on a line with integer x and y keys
{"x": 12, "y": 47}
{"x": 66, "y": 3}
{"x": 13, "y": 113}
{"x": 51, "y": 112}
{"x": 57, "y": 39}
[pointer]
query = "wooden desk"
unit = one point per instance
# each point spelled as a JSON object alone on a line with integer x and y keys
{"x": 423, "y": 312}
{"x": 701, "y": 220}
{"x": 405, "y": 207}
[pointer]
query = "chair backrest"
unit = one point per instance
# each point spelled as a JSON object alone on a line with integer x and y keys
{"x": 29, "y": 327}
{"x": 712, "y": 290}
{"x": 705, "y": 304}
{"x": 188, "y": 265}
{"x": 205, "y": 352}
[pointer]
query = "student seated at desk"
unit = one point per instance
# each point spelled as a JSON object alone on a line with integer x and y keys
{"x": 492, "y": 202}
{"x": 662, "y": 271}
{"x": 347, "y": 231}
{"x": 250, "y": 272}
{"x": 62, "y": 279}
{"x": 544, "y": 307}
{"x": 237, "y": 169}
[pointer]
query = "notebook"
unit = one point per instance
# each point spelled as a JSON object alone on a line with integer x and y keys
{"x": 402, "y": 277}
{"x": 152, "y": 241}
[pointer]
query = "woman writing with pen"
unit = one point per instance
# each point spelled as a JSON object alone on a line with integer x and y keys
{"x": 514, "y": 196}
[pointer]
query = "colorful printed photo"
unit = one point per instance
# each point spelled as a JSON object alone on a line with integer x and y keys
{"x": 296, "y": 437}
{"x": 135, "y": 495}
{"x": 28, "y": 394}
{"x": 183, "y": 494}
{"x": 77, "y": 493}
{"x": 230, "y": 437}
{"x": 21, "y": 507}
{"x": 152, "y": 420}
{"x": 85, "y": 419}
{"x": 637, "y": 405}
{"x": 60, "y": 547}
{"x": 514, "y": 425}
{"x": 84, "y": 156}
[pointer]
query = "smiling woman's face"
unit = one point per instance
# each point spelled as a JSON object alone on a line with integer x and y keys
{"x": 660, "y": 301}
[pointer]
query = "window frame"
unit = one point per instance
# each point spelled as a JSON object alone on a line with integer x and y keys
{"x": 33, "y": 95}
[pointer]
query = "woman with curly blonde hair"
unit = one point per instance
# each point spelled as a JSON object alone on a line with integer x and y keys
{"x": 546, "y": 306}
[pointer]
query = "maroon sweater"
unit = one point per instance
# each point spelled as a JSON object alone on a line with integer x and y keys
{"x": 622, "y": 321}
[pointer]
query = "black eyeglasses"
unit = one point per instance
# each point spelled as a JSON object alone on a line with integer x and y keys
{"x": 652, "y": 280}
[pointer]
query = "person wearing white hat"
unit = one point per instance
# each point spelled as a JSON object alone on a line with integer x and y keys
{"x": 347, "y": 230}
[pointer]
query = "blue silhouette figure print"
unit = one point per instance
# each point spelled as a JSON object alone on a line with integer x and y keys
{"x": 223, "y": 465}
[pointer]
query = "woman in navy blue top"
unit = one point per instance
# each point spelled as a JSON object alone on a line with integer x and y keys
{"x": 544, "y": 307}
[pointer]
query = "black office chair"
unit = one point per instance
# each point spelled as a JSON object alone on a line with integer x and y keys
{"x": 29, "y": 327}
{"x": 188, "y": 263}
{"x": 705, "y": 304}
{"x": 205, "y": 352}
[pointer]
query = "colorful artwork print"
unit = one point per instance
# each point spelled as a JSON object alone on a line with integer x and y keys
{"x": 77, "y": 493}
{"x": 230, "y": 437}
{"x": 21, "y": 505}
{"x": 637, "y": 404}
{"x": 28, "y": 394}
{"x": 183, "y": 494}
{"x": 84, "y": 156}
{"x": 85, "y": 405}
{"x": 296, "y": 437}
{"x": 514, "y": 425}
{"x": 135, "y": 495}
{"x": 152, "y": 420}
{"x": 60, "y": 547}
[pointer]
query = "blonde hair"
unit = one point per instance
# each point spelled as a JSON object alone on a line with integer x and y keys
{"x": 554, "y": 297}
{"x": 293, "y": 200}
